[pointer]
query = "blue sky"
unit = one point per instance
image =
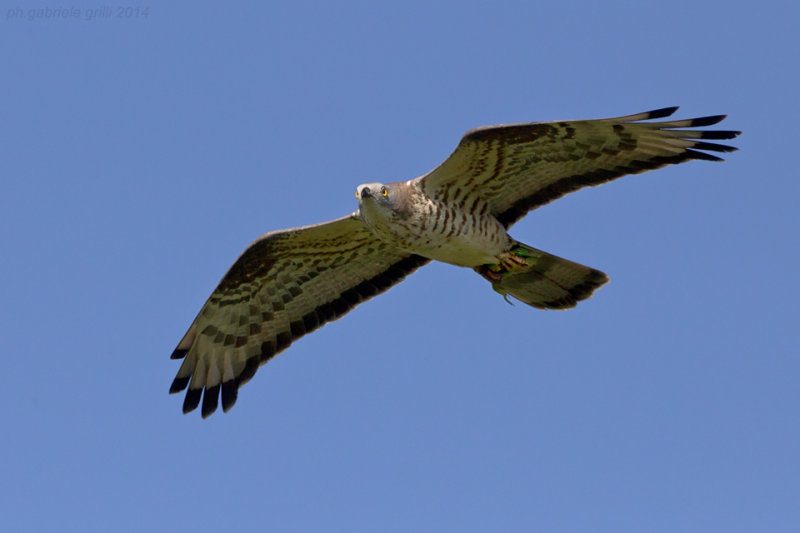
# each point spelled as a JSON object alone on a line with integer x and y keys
{"x": 140, "y": 155}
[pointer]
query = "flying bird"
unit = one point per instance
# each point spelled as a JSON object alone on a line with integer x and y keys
{"x": 290, "y": 282}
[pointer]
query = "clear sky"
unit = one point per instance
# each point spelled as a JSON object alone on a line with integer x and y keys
{"x": 140, "y": 154}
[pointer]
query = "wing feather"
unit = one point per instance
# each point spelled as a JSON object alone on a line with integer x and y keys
{"x": 286, "y": 284}
{"x": 518, "y": 167}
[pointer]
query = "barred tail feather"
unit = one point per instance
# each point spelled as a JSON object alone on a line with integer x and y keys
{"x": 546, "y": 281}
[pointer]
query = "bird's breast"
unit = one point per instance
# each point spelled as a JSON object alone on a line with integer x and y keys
{"x": 447, "y": 233}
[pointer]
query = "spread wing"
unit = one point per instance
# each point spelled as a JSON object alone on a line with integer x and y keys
{"x": 286, "y": 284}
{"x": 518, "y": 167}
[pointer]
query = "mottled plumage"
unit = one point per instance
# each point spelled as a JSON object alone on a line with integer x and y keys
{"x": 288, "y": 283}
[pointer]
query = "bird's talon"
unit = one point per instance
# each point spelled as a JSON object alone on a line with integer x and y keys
{"x": 499, "y": 290}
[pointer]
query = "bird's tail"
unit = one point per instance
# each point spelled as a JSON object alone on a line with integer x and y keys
{"x": 541, "y": 279}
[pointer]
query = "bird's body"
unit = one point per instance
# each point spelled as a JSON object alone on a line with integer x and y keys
{"x": 288, "y": 283}
{"x": 466, "y": 234}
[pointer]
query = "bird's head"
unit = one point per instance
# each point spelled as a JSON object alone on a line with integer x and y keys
{"x": 374, "y": 197}
{"x": 372, "y": 192}
{"x": 382, "y": 200}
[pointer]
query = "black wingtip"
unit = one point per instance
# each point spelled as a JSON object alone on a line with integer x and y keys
{"x": 230, "y": 392}
{"x": 178, "y": 384}
{"x": 192, "y": 400}
{"x": 661, "y": 113}
{"x": 210, "y": 401}
{"x": 178, "y": 354}
{"x": 707, "y": 121}
{"x": 714, "y": 147}
{"x": 719, "y": 134}
{"x": 694, "y": 154}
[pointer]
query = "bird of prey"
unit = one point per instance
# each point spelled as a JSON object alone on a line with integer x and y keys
{"x": 290, "y": 282}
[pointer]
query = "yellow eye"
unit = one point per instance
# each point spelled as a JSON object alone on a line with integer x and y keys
{"x": 356, "y": 194}
{"x": 384, "y": 191}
